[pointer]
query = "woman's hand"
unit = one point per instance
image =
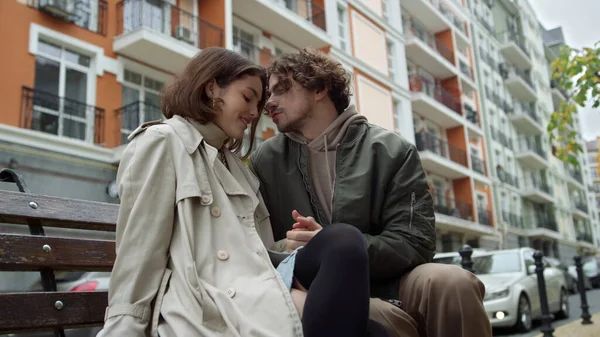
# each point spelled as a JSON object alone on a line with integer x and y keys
{"x": 302, "y": 231}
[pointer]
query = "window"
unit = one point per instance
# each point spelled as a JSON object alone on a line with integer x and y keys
{"x": 243, "y": 43}
{"x": 391, "y": 54}
{"x": 86, "y": 14}
{"x": 141, "y": 102}
{"x": 343, "y": 28}
{"x": 61, "y": 92}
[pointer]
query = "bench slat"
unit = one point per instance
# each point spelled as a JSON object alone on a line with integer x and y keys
{"x": 26, "y": 253}
{"x": 57, "y": 212}
{"x": 30, "y": 311}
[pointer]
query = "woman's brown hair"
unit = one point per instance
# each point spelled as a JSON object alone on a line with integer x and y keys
{"x": 186, "y": 95}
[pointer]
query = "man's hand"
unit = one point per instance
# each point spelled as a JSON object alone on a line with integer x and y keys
{"x": 303, "y": 230}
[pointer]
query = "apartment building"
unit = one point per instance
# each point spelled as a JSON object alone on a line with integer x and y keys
{"x": 540, "y": 202}
{"x": 592, "y": 161}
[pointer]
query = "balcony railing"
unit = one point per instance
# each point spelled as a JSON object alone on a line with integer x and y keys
{"x": 514, "y": 220}
{"x": 77, "y": 12}
{"x": 506, "y": 177}
{"x": 530, "y": 144}
{"x": 414, "y": 28}
{"x": 485, "y": 216}
{"x": 485, "y": 23}
{"x": 308, "y": 10}
{"x": 508, "y": 36}
{"x": 580, "y": 205}
{"x": 528, "y": 109}
{"x": 135, "y": 114}
{"x": 576, "y": 174}
{"x": 539, "y": 184}
{"x": 502, "y": 138}
{"x": 429, "y": 142}
{"x": 465, "y": 69}
{"x": 421, "y": 84}
{"x": 61, "y": 116}
{"x": 471, "y": 114}
{"x": 554, "y": 85}
{"x": 166, "y": 18}
{"x": 478, "y": 164}
{"x": 448, "y": 206}
{"x": 585, "y": 237}
{"x": 507, "y": 72}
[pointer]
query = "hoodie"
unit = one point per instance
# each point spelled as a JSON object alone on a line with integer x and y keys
{"x": 322, "y": 154}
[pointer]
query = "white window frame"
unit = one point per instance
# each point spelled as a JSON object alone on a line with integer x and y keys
{"x": 141, "y": 88}
{"x": 95, "y": 68}
{"x": 256, "y": 34}
{"x": 343, "y": 27}
{"x": 391, "y": 57}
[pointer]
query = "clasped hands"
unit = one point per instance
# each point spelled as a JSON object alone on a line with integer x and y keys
{"x": 304, "y": 229}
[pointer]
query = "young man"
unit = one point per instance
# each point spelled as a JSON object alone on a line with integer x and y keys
{"x": 332, "y": 166}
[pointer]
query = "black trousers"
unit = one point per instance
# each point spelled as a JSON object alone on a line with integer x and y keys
{"x": 334, "y": 268}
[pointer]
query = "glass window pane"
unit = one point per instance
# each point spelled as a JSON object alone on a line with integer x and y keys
{"x": 152, "y": 107}
{"x": 46, "y": 83}
{"x": 132, "y": 77}
{"x": 74, "y": 129}
{"x": 44, "y": 122}
{"x": 75, "y": 57}
{"x": 76, "y": 93}
{"x": 49, "y": 49}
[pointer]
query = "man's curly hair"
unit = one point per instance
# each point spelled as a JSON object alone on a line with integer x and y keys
{"x": 314, "y": 70}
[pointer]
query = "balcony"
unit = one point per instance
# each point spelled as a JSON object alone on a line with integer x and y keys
{"x": 519, "y": 83}
{"x": 484, "y": 23}
{"x": 440, "y": 157}
{"x": 478, "y": 165}
{"x": 428, "y": 51}
{"x": 514, "y": 220}
{"x": 484, "y": 216}
{"x": 501, "y": 138}
{"x": 538, "y": 191}
{"x": 162, "y": 35}
{"x": 77, "y": 12}
{"x": 471, "y": 114}
{"x": 134, "y": 114}
{"x": 580, "y": 209}
{"x": 531, "y": 154}
{"x": 576, "y": 180}
{"x": 468, "y": 80}
{"x": 301, "y": 21}
{"x": 506, "y": 177}
{"x": 433, "y": 102}
{"x": 451, "y": 207}
{"x": 513, "y": 48}
{"x": 64, "y": 117}
{"x": 525, "y": 119}
{"x": 585, "y": 237}
{"x": 252, "y": 52}
{"x": 558, "y": 94}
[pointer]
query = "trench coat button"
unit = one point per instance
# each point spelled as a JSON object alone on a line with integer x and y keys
{"x": 222, "y": 255}
{"x": 231, "y": 292}
{"x": 215, "y": 211}
{"x": 205, "y": 199}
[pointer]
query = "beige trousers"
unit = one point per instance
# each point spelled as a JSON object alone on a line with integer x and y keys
{"x": 437, "y": 301}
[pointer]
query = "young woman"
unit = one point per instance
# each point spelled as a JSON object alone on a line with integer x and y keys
{"x": 192, "y": 230}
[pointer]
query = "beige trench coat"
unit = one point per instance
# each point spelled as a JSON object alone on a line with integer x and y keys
{"x": 191, "y": 235}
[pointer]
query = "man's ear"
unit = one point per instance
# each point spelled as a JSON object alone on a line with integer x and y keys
{"x": 320, "y": 94}
{"x": 211, "y": 89}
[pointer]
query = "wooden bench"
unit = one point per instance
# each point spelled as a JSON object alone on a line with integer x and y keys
{"x": 50, "y": 309}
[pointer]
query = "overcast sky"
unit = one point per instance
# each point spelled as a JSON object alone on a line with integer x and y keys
{"x": 579, "y": 21}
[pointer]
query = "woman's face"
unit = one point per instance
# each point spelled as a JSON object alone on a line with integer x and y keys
{"x": 240, "y": 105}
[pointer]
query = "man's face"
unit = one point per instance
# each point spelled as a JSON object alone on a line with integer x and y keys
{"x": 290, "y": 105}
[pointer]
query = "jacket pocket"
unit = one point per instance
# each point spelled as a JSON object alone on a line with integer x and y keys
{"x": 158, "y": 302}
{"x": 211, "y": 316}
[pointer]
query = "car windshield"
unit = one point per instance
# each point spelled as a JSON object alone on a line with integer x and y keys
{"x": 496, "y": 263}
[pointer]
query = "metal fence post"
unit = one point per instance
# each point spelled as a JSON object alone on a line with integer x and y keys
{"x": 585, "y": 313}
{"x": 547, "y": 317}
{"x": 466, "y": 262}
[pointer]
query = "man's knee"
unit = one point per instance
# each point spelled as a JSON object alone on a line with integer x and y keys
{"x": 449, "y": 279}
{"x": 396, "y": 321}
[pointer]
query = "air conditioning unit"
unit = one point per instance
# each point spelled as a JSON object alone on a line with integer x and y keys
{"x": 184, "y": 34}
{"x": 64, "y": 9}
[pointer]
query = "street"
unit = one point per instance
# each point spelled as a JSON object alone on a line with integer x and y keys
{"x": 593, "y": 298}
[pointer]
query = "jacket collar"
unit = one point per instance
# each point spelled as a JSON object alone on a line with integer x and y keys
{"x": 193, "y": 133}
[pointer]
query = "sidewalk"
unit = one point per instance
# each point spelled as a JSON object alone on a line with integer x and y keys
{"x": 576, "y": 329}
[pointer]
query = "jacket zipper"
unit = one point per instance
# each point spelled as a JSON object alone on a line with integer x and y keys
{"x": 412, "y": 204}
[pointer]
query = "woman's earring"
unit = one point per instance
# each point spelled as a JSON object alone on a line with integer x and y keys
{"x": 213, "y": 103}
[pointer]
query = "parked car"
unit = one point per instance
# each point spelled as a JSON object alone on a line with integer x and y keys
{"x": 571, "y": 281}
{"x": 512, "y": 296}
{"x": 586, "y": 280}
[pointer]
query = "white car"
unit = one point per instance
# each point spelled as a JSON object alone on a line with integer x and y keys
{"x": 511, "y": 289}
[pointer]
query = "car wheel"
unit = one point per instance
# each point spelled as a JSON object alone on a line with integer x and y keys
{"x": 563, "y": 310}
{"x": 524, "y": 320}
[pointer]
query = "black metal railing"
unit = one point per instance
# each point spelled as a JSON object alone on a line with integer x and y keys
{"x": 429, "y": 142}
{"x": 514, "y": 37}
{"x": 484, "y": 216}
{"x": 530, "y": 144}
{"x": 471, "y": 114}
{"x": 77, "y": 12}
{"x": 478, "y": 164}
{"x": 451, "y": 207}
{"x": 61, "y": 116}
{"x": 416, "y": 29}
{"x": 506, "y": 177}
{"x": 515, "y": 220}
{"x": 134, "y": 114}
{"x": 166, "y": 18}
{"x": 421, "y": 84}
